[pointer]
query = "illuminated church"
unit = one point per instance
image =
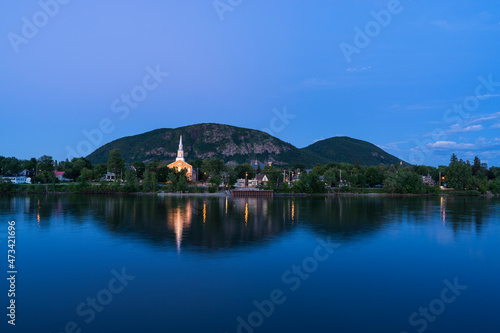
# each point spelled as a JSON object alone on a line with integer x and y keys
{"x": 180, "y": 164}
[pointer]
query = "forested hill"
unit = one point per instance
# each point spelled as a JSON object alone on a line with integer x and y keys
{"x": 236, "y": 145}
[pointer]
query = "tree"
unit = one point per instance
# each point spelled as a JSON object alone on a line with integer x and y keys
{"x": 320, "y": 169}
{"x": 99, "y": 171}
{"x": 459, "y": 175}
{"x": 153, "y": 166}
{"x": 453, "y": 158}
{"x": 140, "y": 167}
{"x": 10, "y": 166}
{"x": 45, "y": 163}
{"x": 310, "y": 183}
{"x": 243, "y": 169}
{"x": 163, "y": 173}
{"x": 86, "y": 174}
{"x": 361, "y": 180}
{"x": 131, "y": 181}
{"x": 212, "y": 166}
{"x": 73, "y": 169}
{"x": 476, "y": 167}
{"x": 374, "y": 175}
{"x": 31, "y": 164}
{"x": 300, "y": 166}
{"x": 330, "y": 177}
{"x": 495, "y": 171}
{"x": 115, "y": 162}
{"x": 404, "y": 182}
{"x": 150, "y": 182}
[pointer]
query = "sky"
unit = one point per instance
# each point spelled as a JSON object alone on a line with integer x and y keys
{"x": 420, "y": 79}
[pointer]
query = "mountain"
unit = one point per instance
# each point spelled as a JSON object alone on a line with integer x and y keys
{"x": 344, "y": 149}
{"x": 236, "y": 145}
{"x": 233, "y": 145}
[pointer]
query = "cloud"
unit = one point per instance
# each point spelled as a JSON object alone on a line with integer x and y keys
{"x": 487, "y": 118}
{"x": 392, "y": 145}
{"x": 456, "y": 128}
{"x": 441, "y": 24}
{"x": 318, "y": 83}
{"x": 472, "y": 128}
{"x": 355, "y": 70}
{"x": 488, "y": 96}
{"x": 495, "y": 126}
{"x": 450, "y": 145}
{"x": 480, "y": 22}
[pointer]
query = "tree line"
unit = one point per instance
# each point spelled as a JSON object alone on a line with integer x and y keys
{"x": 459, "y": 174}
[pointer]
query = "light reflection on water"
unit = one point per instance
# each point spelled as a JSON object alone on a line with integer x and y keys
{"x": 201, "y": 262}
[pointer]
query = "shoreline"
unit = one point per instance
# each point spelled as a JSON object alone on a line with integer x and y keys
{"x": 276, "y": 195}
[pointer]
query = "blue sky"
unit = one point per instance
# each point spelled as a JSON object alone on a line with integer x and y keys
{"x": 420, "y": 79}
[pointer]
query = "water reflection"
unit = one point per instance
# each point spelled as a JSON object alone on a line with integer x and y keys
{"x": 203, "y": 224}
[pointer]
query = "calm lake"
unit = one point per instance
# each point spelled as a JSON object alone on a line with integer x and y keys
{"x": 194, "y": 264}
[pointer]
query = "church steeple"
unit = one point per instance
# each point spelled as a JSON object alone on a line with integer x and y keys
{"x": 180, "y": 152}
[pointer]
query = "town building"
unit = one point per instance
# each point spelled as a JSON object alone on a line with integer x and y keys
{"x": 60, "y": 175}
{"x": 180, "y": 163}
{"x": 17, "y": 179}
{"x": 427, "y": 180}
{"x": 256, "y": 164}
{"x": 109, "y": 176}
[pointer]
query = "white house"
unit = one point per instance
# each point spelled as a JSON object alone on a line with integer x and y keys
{"x": 18, "y": 179}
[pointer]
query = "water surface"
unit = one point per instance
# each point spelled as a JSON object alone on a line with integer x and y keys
{"x": 363, "y": 264}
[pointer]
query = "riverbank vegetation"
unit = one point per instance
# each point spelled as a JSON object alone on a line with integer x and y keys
{"x": 80, "y": 176}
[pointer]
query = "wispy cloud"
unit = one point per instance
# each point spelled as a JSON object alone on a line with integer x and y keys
{"x": 392, "y": 145}
{"x": 456, "y": 128}
{"x": 356, "y": 70}
{"x": 318, "y": 83}
{"x": 495, "y": 126}
{"x": 446, "y": 145}
{"x": 488, "y": 96}
{"x": 441, "y": 24}
{"x": 481, "y": 21}
{"x": 480, "y": 146}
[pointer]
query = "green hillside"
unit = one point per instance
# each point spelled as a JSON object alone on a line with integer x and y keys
{"x": 234, "y": 145}
{"x": 349, "y": 150}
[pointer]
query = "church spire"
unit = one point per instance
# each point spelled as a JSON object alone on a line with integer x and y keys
{"x": 180, "y": 152}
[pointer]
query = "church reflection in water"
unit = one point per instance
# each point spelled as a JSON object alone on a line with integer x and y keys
{"x": 179, "y": 219}
{"x": 221, "y": 223}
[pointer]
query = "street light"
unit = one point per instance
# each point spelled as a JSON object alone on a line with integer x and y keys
{"x": 246, "y": 179}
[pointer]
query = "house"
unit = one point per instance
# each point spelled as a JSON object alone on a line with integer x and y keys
{"x": 18, "y": 179}
{"x": 262, "y": 180}
{"x": 109, "y": 176}
{"x": 256, "y": 164}
{"x": 130, "y": 167}
{"x": 427, "y": 180}
{"x": 251, "y": 183}
{"x": 181, "y": 164}
{"x": 60, "y": 175}
{"x": 27, "y": 173}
